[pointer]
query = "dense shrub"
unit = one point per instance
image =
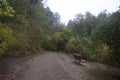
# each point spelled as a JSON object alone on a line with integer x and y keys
{"x": 58, "y": 40}
{"x": 73, "y": 45}
{"x": 7, "y": 38}
{"x": 10, "y": 43}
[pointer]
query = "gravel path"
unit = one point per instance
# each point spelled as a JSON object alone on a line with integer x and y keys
{"x": 45, "y": 67}
{"x": 56, "y": 66}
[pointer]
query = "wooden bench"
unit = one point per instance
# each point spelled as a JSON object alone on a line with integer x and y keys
{"x": 77, "y": 58}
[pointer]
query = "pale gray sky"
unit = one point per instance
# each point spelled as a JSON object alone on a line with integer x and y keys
{"x": 69, "y": 8}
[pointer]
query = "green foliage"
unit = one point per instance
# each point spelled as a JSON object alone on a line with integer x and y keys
{"x": 7, "y": 38}
{"x": 99, "y": 35}
{"x": 58, "y": 40}
{"x": 22, "y": 41}
{"x": 10, "y": 43}
{"x": 88, "y": 48}
{"x": 10, "y": 2}
{"x": 22, "y": 26}
{"x": 104, "y": 53}
{"x": 6, "y": 9}
{"x": 114, "y": 36}
{"x": 73, "y": 45}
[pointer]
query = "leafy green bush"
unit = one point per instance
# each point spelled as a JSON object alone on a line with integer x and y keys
{"x": 10, "y": 43}
{"x": 7, "y": 39}
{"x": 6, "y": 9}
{"x": 58, "y": 41}
{"x": 73, "y": 45}
{"x": 88, "y": 48}
{"x": 105, "y": 52}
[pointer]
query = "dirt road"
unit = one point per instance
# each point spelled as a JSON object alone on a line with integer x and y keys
{"x": 55, "y": 66}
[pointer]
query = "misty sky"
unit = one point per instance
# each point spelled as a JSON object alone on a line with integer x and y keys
{"x": 69, "y": 8}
